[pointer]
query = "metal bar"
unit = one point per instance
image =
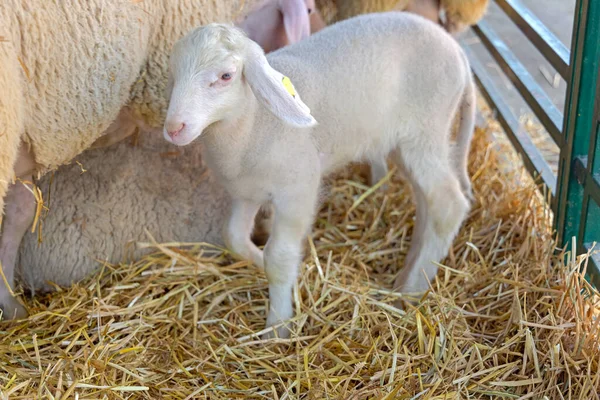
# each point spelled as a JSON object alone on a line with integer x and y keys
{"x": 590, "y": 218}
{"x": 579, "y": 124}
{"x": 532, "y": 158}
{"x": 545, "y": 41}
{"x": 594, "y": 150}
{"x": 594, "y": 183}
{"x": 589, "y": 182}
{"x": 593, "y": 267}
{"x": 531, "y": 92}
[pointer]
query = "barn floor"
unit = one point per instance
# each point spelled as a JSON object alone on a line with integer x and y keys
{"x": 506, "y": 318}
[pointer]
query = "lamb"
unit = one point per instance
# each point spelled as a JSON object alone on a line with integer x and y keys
{"x": 87, "y": 82}
{"x": 377, "y": 83}
{"x": 454, "y": 15}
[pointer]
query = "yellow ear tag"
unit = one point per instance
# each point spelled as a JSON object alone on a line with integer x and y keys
{"x": 287, "y": 83}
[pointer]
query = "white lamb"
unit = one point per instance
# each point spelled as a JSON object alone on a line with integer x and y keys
{"x": 376, "y": 83}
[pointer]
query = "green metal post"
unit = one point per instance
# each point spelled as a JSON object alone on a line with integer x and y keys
{"x": 578, "y": 163}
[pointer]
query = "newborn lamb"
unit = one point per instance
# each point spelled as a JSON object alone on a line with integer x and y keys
{"x": 376, "y": 83}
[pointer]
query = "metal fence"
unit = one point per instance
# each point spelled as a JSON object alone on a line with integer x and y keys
{"x": 575, "y": 193}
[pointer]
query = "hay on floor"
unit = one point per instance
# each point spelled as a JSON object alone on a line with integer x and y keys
{"x": 507, "y": 318}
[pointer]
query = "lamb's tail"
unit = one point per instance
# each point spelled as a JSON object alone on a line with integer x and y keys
{"x": 465, "y": 133}
{"x": 11, "y": 116}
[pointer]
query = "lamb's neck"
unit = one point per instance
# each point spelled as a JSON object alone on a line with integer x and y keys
{"x": 228, "y": 140}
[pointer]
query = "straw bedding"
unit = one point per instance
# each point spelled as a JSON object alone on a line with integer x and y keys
{"x": 506, "y": 318}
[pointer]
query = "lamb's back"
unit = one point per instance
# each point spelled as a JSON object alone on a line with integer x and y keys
{"x": 354, "y": 74}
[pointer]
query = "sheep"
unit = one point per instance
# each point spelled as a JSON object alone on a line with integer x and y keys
{"x": 279, "y": 23}
{"x": 76, "y": 75}
{"x": 377, "y": 83}
{"x": 99, "y": 213}
{"x": 457, "y": 14}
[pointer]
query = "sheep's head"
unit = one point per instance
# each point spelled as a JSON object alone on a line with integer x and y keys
{"x": 210, "y": 73}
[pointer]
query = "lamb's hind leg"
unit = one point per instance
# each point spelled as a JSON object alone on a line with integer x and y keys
{"x": 20, "y": 210}
{"x": 441, "y": 209}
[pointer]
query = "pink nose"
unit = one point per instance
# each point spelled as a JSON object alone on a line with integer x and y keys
{"x": 174, "y": 131}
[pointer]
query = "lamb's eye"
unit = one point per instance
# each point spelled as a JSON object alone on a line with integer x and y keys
{"x": 226, "y": 76}
{"x": 309, "y": 10}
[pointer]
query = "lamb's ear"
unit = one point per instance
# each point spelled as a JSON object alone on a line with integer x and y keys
{"x": 296, "y": 19}
{"x": 275, "y": 91}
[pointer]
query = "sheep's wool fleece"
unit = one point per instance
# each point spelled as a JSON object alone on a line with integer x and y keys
{"x": 80, "y": 62}
{"x": 11, "y": 108}
{"x": 338, "y": 10}
{"x": 102, "y": 214}
{"x": 467, "y": 12}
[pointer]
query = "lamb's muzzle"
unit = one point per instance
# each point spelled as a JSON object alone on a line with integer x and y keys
{"x": 174, "y": 128}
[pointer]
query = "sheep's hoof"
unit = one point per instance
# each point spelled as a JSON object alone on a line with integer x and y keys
{"x": 12, "y": 309}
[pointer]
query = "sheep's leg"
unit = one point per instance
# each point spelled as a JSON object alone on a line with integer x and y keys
{"x": 441, "y": 209}
{"x": 238, "y": 230}
{"x": 20, "y": 210}
{"x": 283, "y": 254}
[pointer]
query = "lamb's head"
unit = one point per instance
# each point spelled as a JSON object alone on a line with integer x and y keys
{"x": 213, "y": 72}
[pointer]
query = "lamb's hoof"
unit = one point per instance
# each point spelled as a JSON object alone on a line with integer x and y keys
{"x": 263, "y": 223}
{"x": 283, "y": 332}
{"x": 260, "y": 234}
{"x": 12, "y": 309}
{"x": 400, "y": 304}
{"x": 406, "y": 303}
{"x": 470, "y": 196}
{"x": 467, "y": 190}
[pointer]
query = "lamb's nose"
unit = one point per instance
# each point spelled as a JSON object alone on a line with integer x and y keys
{"x": 173, "y": 129}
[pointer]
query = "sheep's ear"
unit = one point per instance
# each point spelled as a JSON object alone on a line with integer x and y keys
{"x": 296, "y": 19}
{"x": 275, "y": 90}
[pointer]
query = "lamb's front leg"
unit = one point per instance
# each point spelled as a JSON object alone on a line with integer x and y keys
{"x": 283, "y": 254}
{"x": 238, "y": 230}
